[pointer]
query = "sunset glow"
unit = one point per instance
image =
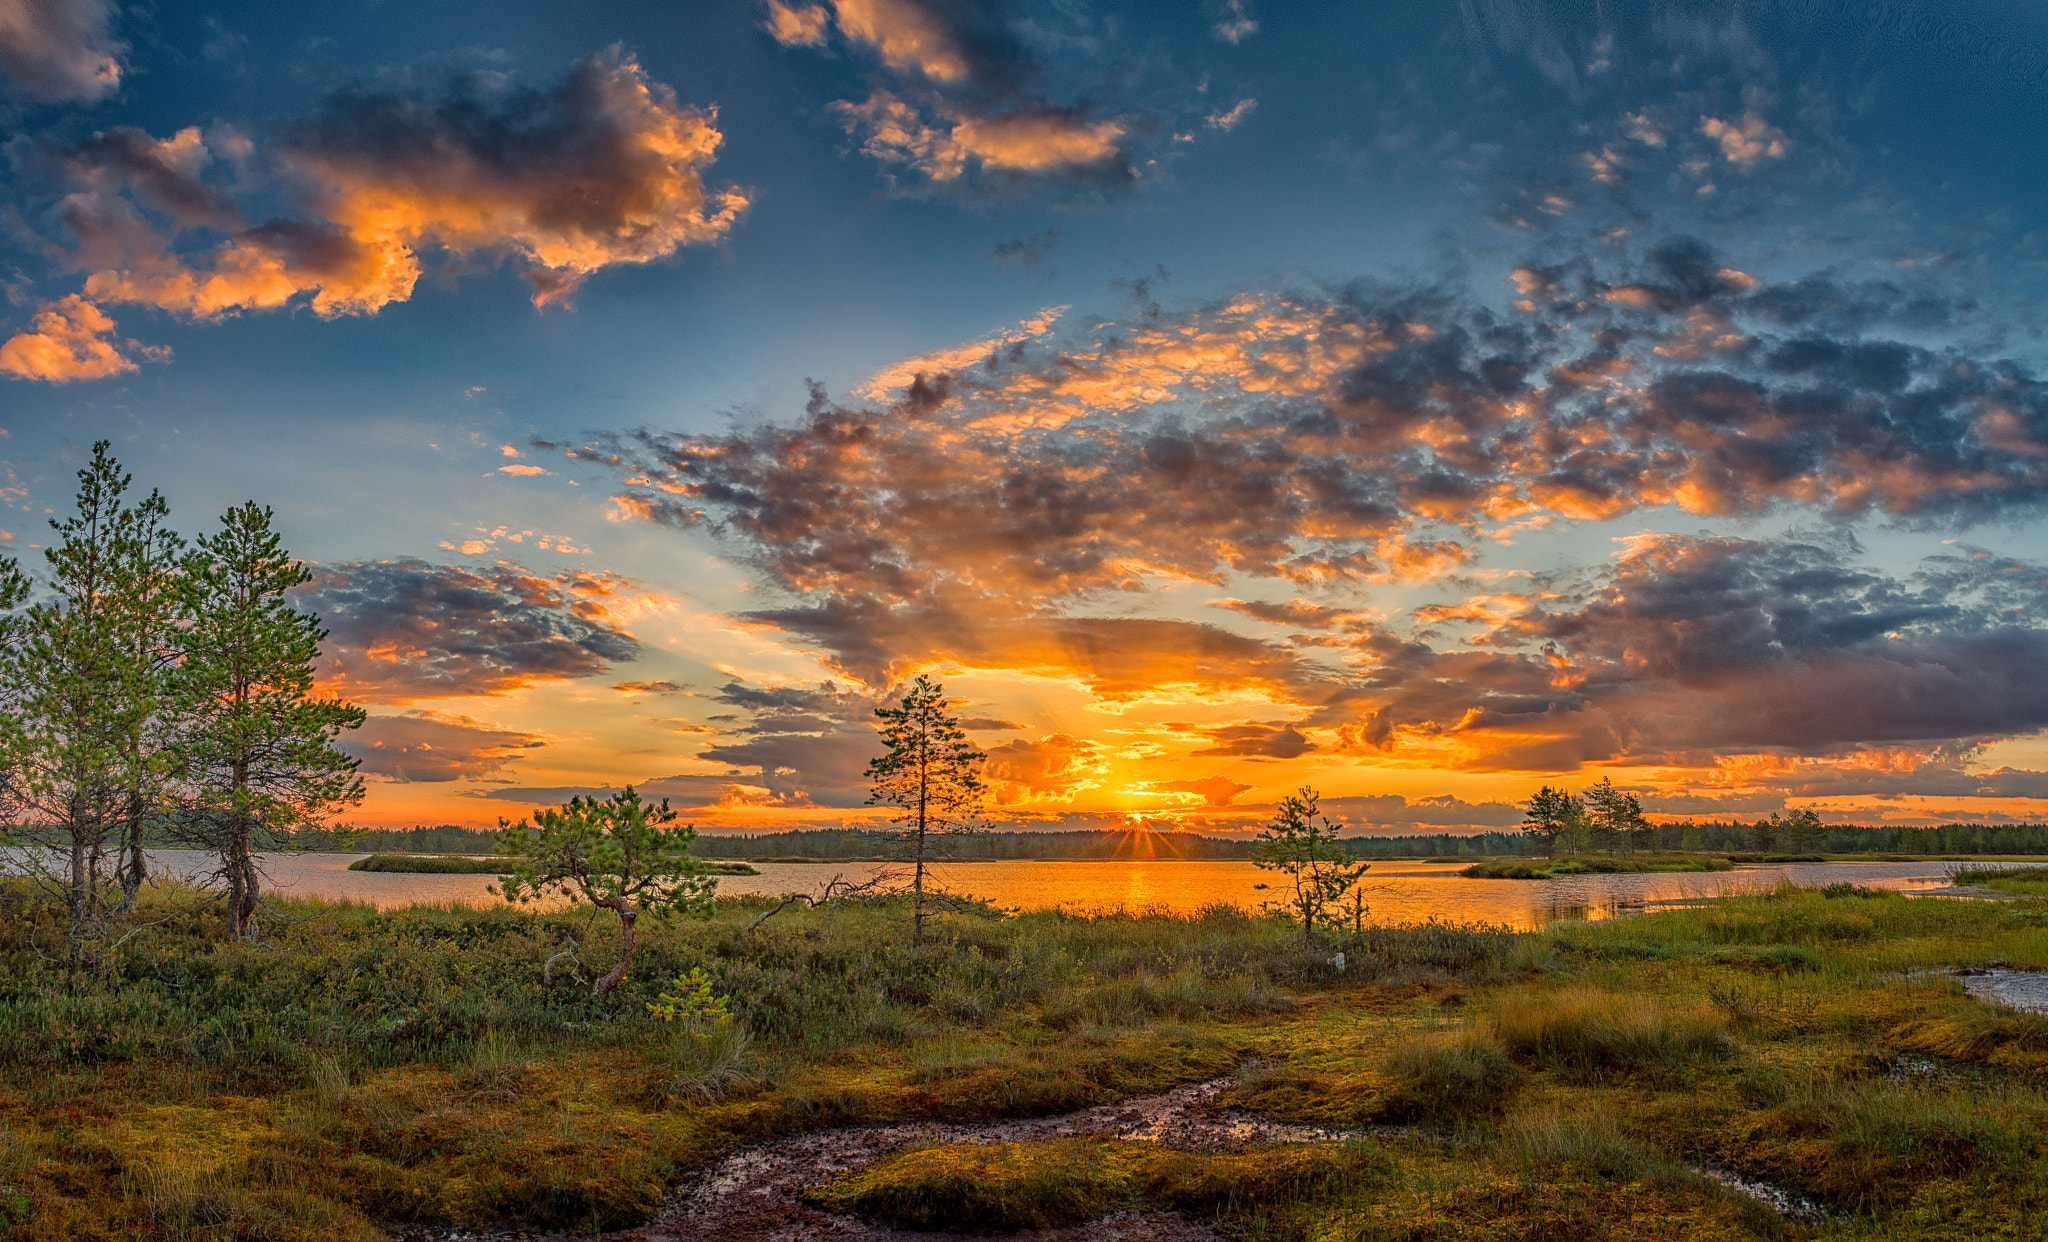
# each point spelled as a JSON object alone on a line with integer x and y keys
{"x": 1419, "y": 405}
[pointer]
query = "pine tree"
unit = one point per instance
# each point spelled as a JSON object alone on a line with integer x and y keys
{"x": 1554, "y": 816}
{"x": 932, "y": 775}
{"x": 80, "y": 697}
{"x": 621, "y": 855}
{"x": 1320, "y": 870}
{"x": 1616, "y": 815}
{"x": 257, "y": 747}
{"x": 14, "y": 591}
{"x": 150, "y": 596}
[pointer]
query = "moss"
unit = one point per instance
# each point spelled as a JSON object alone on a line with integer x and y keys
{"x": 1014, "y": 1187}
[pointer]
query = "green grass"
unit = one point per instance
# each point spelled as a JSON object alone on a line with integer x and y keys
{"x": 1594, "y": 864}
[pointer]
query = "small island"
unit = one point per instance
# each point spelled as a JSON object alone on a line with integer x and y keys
{"x": 457, "y": 864}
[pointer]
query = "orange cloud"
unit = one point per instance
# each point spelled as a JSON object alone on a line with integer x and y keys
{"x": 67, "y": 341}
{"x": 605, "y": 168}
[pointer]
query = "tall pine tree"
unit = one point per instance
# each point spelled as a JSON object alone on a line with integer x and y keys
{"x": 932, "y": 776}
{"x": 150, "y": 595}
{"x": 81, "y": 697}
{"x": 14, "y": 589}
{"x": 258, "y": 748}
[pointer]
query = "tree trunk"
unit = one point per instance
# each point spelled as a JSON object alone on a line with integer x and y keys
{"x": 251, "y": 886}
{"x": 80, "y": 884}
{"x": 134, "y": 867}
{"x": 627, "y": 915}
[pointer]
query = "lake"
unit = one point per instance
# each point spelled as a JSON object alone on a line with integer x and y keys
{"x": 1399, "y": 892}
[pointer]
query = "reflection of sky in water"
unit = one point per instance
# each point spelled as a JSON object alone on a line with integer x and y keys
{"x": 1399, "y": 892}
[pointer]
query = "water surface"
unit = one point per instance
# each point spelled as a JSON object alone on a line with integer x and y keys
{"x": 1399, "y": 892}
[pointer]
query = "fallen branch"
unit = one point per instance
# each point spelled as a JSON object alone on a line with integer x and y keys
{"x": 837, "y": 891}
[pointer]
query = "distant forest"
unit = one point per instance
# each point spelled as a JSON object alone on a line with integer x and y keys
{"x": 1712, "y": 836}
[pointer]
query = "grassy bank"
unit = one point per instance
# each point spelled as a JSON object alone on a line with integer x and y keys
{"x": 362, "y": 1071}
{"x": 1594, "y": 864}
{"x": 442, "y": 864}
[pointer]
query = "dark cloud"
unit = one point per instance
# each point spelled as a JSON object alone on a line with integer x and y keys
{"x": 405, "y": 629}
{"x": 430, "y": 747}
{"x": 59, "y": 49}
{"x": 988, "y": 724}
{"x": 1018, "y": 512}
{"x": 962, "y": 102}
{"x": 1372, "y": 814}
{"x": 1688, "y": 648}
{"x": 647, "y": 687}
{"x": 1256, "y": 740}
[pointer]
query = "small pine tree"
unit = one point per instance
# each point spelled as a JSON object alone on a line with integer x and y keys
{"x": 1320, "y": 871}
{"x": 621, "y": 855}
{"x": 932, "y": 776}
{"x": 258, "y": 751}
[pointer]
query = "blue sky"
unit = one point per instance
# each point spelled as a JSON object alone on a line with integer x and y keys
{"x": 1338, "y": 370}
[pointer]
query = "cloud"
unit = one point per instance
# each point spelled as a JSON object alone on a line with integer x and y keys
{"x": 67, "y": 341}
{"x": 1693, "y": 648}
{"x": 1747, "y": 140}
{"x": 1376, "y": 814}
{"x": 59, "y": 50}
{"x": 1256, "y": 740}
{"x": 1235, "y": 23}
{"x": 1053, "y": 768}
{"x": 1233, "y": 117}
{"x": 805, "y": 745}
{"x": 603, "y": 168}
{"x": 405, "y": 630}
{"x": 1215, "y": 790}
{"x": 796, "y": 25}
{"x": 960, "y": 103}
{"x": 647, "y": 687}
{"x": 1030, "y": 505}
{"x": 429, "y": 747}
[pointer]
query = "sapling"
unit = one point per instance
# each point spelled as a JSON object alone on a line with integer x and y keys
{"x": 1320, "y": 871}
{"x": 622, "y": 855}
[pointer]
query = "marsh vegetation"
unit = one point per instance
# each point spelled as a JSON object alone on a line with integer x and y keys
{"x": 357, "y": 1071}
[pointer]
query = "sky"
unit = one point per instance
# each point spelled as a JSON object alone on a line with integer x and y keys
{"x": 1416, "y": 402}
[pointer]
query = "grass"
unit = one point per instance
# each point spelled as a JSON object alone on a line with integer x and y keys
{"x": 360, "y": 1071}
{"x": 1594, "y": 864}
{"x": 2027, "y": 881}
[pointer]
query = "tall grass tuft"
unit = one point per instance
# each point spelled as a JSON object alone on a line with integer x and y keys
{"x": 1590, "y": 1030}
{"x": 1447, "y": 1075}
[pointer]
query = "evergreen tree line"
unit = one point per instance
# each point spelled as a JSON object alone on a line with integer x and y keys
{"x": 154, "y": 691}
{"x": 1710, "y": 836}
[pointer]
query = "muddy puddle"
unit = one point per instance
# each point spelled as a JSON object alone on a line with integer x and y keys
{"x": 752, "y": 1196}
{"x": 2024, "y": 990}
